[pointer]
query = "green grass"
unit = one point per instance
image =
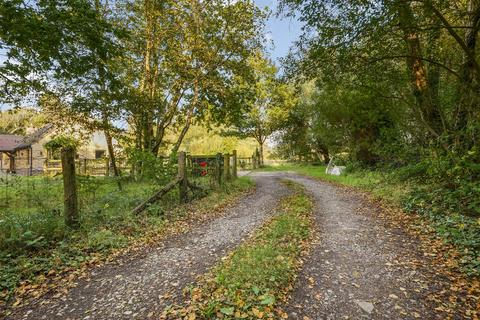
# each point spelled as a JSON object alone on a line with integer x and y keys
{"x": 34, "y": 240}
{"x": 257, "y": 275}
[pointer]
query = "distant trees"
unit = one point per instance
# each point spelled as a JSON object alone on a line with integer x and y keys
{"x": 268, "y": 103}
{"x": 16, "y": 121}
{"x": 396, "y": 81}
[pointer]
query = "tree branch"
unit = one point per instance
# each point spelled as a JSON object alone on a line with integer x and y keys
{"x": 450, "y": 29}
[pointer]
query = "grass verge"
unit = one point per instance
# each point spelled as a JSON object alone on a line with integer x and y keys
{"x": 32, "y": 271}
{"x": 255, "y": 278}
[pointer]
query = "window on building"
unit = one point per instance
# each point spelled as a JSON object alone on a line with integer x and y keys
{"x": 99, "y": 154}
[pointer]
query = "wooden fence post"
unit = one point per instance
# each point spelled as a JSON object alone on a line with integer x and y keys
{"x": 254, "y": 162}
{"x": 218, "y": 167}
{"x": 182, "y": 173}
{"x": 107, "y": 167}
{"x": 70, "y": 195}
{"x": 234, "y": 168}
{"x": 85, "y": 166}
{"x": 226, "y": 166}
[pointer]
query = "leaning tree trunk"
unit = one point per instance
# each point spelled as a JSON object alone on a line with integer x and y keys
{"x": 182, "y": 135}
{"x": 188, "y": 119}
{"x": 113, "y": 160}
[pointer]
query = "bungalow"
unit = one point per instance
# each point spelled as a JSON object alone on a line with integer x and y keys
{"x": 27, "y": 155}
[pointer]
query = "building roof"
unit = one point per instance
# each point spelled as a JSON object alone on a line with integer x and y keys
{"x": 34, "y": 137}
{"x": 12, "y": 143}
{"x": 8, "y": 142}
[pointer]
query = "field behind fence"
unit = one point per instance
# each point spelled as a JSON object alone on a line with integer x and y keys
{"x": 32, "y": 207}
{"x": 34, "y": 237}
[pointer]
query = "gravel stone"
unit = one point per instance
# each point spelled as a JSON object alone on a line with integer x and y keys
{"x": 359, "y": 264}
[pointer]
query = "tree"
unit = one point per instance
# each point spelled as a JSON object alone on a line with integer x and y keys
{"x": 50, "y": 47}
{"x": 190, "y": 52}
{"x": 268, "y": 104}
{"x": 417, "y": 55}
{"x": 62, "y": 52}
{"x": 432, "y": 41}
{"x": 17, "y": 121}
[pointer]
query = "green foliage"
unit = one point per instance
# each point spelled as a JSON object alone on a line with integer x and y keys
{"x": 50, "y": 43}
{"x": 61, "y": 142}
{"x": 151, "y": 166}
{"x": 16, "y": 121}
{"x": 195, "y": 52}
{"x": 268, "y": 103}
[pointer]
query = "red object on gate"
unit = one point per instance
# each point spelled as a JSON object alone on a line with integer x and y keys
{"x": 203, "y": 164}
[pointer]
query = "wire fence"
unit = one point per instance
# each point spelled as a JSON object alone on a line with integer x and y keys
{"x": 26, "y": 166}
{"x": 38, "y": 186}
{"x": 245, "y": 163}
{"x": 26, "y": 195}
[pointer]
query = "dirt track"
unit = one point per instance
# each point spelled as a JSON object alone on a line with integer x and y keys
{"x": 358, "y": 267}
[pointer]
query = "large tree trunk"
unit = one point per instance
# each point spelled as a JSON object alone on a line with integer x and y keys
{"x": 428, "y": 110}
{"x": 468, "y": 96}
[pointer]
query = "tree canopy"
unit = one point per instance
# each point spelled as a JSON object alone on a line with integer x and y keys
{"x": 132, "y": 69}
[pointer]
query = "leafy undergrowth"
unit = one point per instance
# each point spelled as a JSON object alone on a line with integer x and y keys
{"x": 255, "y": 278}
{"x": 452, "y": 212}
{"x": 28, "y": 270}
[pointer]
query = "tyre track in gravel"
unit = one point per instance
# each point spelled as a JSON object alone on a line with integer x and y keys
{"x": 361, "y": 268}
{"x": 141, "y": 288}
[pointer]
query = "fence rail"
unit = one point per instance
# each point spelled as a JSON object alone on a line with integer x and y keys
{"x": 196, "y": 173}
{"x": 102, "y": 167}
{"x": 192, "y": 174}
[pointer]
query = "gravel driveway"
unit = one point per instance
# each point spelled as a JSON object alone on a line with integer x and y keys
{"x": 143, "y": 287}
{"x": 359, "y": 268}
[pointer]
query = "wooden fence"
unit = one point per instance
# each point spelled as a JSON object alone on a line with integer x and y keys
{"x": 91, "y": 167}
{"x": 193, "y": 174}
{"x": 199, "y": 165}
{"x": 197, "y": 173}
